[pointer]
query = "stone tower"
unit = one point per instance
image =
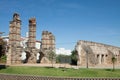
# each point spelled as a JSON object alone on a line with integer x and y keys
{"x": 15, "y": 27}
{"x": 14, "y": 40}
{"x": 32, "y": 33}
{"x": 48, "y": 41}
{"x": 31, "y": 50}
{"x": 47, "y": 46}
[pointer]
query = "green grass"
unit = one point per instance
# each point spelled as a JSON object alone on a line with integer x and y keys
{"x": 82, "y": 72}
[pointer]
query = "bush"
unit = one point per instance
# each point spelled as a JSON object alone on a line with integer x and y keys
{"x": 63, "y": 59}
{"x": 3, "y": 59}
{"x": 74, "y": 58}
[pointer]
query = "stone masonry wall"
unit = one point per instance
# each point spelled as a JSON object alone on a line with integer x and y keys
{"x": 98, "y": 54}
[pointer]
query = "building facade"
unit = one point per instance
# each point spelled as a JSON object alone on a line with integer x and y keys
{"x": 93, "y": 54}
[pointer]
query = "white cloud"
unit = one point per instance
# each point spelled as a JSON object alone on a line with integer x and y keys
{"x": 63, "y": 51}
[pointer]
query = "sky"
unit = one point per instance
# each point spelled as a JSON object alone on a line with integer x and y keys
{"x": 69, "y": 20}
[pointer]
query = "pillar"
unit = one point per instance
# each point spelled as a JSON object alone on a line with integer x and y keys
{"x": 99, "y": 58}
{"x": 14, "y": 40}
{"x": 32, "y": 32}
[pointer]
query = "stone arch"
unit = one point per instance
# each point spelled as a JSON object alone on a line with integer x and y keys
{"x": 23, "y": 56}
{"x": 41, "y": 55}
{"x": 27, "y": 57}
{"x": 102, "y": 58}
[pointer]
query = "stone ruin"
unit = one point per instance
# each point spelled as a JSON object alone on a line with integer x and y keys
{"x": 15, "y": 49}
{"x": 93, "y": 54}
{"x": 48, "y": 44}
{"x": 90, "y": 53}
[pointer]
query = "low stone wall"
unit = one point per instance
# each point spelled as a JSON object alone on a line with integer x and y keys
{"x": 25, "y": 77}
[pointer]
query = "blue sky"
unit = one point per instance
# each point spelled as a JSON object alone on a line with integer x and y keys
{"x": 68, "y": 20}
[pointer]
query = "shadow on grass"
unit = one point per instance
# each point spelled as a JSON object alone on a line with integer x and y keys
{"x": 62, "y": 68}
{"x": 48, "y": 67}
{"x": 108, "y": 69}
{"x": 2, "y": 66}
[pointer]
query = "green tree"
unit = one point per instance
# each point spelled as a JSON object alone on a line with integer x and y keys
{"x": 58, "y": 58}
{"x": 113, "y": 61}
{"x": 52, "y": 56}
{"x": 61, "y": 58}
{"x": 2, "y": 50}
{"x": 74, "y": 57}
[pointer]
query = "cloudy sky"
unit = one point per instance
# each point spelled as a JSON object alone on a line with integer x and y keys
{"x": 68, "y": 20}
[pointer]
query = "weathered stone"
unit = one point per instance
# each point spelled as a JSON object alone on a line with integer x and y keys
{"x": 32, "y": 33}
{"x": 47, "y": 45}
{"x": 30, "y": 52}
{"x": 98, "y": 54}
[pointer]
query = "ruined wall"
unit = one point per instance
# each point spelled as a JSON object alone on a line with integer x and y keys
{"x": 48, "y": 40}
{"x": 15, "y": 51}
{"x": 47, "y": 45}
{"x": 98, "y": 54}
{"x": 31, "y": 50}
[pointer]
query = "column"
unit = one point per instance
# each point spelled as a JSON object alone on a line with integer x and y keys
{"x": 32, "y": 32}
{"x": 99, "y": 58}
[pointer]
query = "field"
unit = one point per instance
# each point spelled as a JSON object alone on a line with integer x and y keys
{"x": 61, "y": 72}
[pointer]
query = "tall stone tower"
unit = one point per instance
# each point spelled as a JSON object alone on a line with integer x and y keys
{"x": 48, "y": 41}
{"x": 47, "y": 46}
{"x": 15, "y": 28}
{"x": 14, "y": 40}
{"x": 32, "y": 41}
{"x": 32, "y": 33}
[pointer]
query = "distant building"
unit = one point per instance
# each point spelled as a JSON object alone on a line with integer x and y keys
{"x": 23, "y": 41}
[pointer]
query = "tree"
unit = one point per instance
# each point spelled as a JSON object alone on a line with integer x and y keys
{"x": 61, "y": 58}
{"x": 2, "y": 50}
{"x": 2, "y": 47}
{"x": 52, "y": 56}
{"x": 113, "y": 61}
{"x": 74, "y": 57}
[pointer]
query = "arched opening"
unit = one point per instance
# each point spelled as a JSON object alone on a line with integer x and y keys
{"x": 39, "y": 57}
{"x": 25, "y": 56}
{"x": 97, "y": 56}
{"x": 102, "y": 58}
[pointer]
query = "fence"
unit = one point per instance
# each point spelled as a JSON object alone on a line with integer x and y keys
{"x": 25, "y": 77}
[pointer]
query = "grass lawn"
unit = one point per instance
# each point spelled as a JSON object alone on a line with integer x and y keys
{"x": 82, "y": 72}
